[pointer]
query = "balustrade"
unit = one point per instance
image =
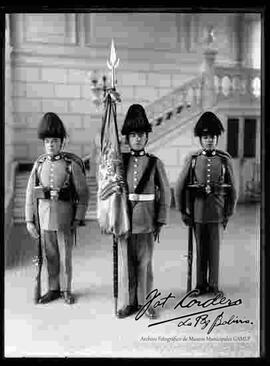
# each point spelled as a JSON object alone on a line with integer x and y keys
{"x": 170, "y": 106}
{"x": 233, "y": 81}
{"x": 228, "y": 82}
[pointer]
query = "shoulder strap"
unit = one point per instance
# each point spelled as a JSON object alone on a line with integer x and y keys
{"x": 69, "y": 178}
{"x": 146, "y": 175}
{"x": 191, "y": 174}
{"x": 224, "y": 170}
{"x": 126, "y": 157}
{"x": 38, "y": 163}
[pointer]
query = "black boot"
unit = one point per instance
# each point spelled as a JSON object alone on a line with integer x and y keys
{"x": 200, "y": 290}
{"x": 68, "y": 297}
{"x": 49, "y": 296}
{"x": 215, "y": 290}
{"x": 127, "y": 311}
{"x": 151, "y": 313}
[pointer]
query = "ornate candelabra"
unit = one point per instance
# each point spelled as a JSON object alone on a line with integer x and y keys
{"x": 98, "y": 87}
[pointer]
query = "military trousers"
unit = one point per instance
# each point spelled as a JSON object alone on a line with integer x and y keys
{"x": 136, "y": 267}
{"x": 57, "y": 247}
{"x": 208, "y": 238}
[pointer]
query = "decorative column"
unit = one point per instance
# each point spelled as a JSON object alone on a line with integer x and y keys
{"x": 238, "y": 39}
{"x": 248, "y": 34}
{"x": 9, "y": 147}
{"x": 194, "y": 31}
{"x": 183, "y": 31}
{"x": 9, "y": 135}
{"x": 208, "y": 74}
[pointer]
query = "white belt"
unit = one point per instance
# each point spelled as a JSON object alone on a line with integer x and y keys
{"x": 141, "y": 197}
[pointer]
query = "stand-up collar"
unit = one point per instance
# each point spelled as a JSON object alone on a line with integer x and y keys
{"x": 55, "y": 157}
{"x": 209, "y": 152}
{"x": 137, "y": 153}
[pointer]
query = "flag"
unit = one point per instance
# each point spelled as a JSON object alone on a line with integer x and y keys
{"x": 112, "y": 207}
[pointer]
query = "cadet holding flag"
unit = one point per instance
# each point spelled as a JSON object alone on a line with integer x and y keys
{"x": 58, "y": 182}
{"x": 133, "y": 199}
{"x": 149, "y": 199}
{"x": 208, "y": 178}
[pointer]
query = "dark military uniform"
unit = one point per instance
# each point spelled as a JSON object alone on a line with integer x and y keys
{"x": 149, "y": 200}
{"x": 147, "y": 209}
{"x": 210, "y": 209}
{"x": 213, "y": 204}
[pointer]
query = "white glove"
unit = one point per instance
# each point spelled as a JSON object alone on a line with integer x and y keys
{"x": 32, "y": 230}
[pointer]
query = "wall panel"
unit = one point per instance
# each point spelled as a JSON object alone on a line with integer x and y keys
{"x": 55, "y": 28}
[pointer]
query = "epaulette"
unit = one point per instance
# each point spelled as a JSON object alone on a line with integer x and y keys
{"x": 41, "y": 158}
{"x": 194, "y": 154}
{"x": 223, "y": 154}
{"x": 152, "y": 156}
{"x": 68, "y": 156}
{"x": 37, "y": 166}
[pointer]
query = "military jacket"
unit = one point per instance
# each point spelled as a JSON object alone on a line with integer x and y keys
{"x": 62, "y": 172}
{"x": 145, "y": 214}
{"x": 209, "y": 170}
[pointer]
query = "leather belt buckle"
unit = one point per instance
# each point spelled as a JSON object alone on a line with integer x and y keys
{"x": 54, "y": 194}
{"x": 207, "y": 189}
{"x": 141, "y": 197}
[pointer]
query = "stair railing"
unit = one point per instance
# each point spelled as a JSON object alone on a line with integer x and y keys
{"x": 238, "y": 82}
{"x": 187, "y": 97}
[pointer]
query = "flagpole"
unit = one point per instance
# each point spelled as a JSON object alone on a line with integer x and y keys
{"x": 112, "y": 202}
{"x": 112, "y": 65}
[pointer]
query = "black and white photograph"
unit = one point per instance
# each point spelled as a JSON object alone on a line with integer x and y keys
{"x": 133, "y": 193}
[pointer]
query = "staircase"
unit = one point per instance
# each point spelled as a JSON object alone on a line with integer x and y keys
{"x": 19, "y": 197}
{"x": 232, "y": 85}
{"x": 170, "y": 113}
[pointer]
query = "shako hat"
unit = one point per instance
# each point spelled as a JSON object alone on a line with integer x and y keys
{"x": 51, "y": 126}
{"x": 208, "y": 124}
{"x": 136, "y": 120}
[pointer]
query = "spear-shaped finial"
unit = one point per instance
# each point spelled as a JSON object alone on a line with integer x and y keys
{"x": 113, "y": 63}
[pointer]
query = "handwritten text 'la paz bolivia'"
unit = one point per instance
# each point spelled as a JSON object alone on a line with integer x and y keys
{"x": 202, "y": 319}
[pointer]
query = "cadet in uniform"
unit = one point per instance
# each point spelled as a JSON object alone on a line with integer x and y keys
{"x": 149, "y": 199}
{"x": 210, "y": 169}
{"x": 60, "y": 178}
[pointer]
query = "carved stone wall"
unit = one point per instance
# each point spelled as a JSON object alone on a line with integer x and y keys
{"x": 53, "y": 53}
